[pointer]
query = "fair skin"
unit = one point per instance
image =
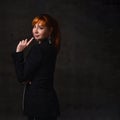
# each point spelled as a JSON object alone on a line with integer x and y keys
{"x": 39, "y": 31}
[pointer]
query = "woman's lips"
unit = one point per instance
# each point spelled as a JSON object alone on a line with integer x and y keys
{"x": 36, "y": 35}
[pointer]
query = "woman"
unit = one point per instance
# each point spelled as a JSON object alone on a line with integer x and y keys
{"x": 36, "y": 72}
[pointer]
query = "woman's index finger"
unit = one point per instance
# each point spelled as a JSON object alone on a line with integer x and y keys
{"x": 30, "y": 41}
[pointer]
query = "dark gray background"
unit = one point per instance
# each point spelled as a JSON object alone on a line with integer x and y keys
{"x": 87, "y": 76}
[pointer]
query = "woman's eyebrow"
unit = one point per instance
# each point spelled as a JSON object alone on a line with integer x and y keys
{"x": 42, "y": 26}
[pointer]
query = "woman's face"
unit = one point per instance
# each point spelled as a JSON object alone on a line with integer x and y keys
{"x": 40, "y": 32}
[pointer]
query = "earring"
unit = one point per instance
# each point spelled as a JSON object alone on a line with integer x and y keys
{"x": 49, "y": 40}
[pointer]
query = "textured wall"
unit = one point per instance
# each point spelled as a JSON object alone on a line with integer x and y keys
{"x": 87, "y": 71}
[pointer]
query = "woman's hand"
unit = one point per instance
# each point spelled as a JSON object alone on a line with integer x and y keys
{"x": 23, "y": 44}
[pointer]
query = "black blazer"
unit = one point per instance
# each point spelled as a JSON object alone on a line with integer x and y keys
{"x": 38, "y": 68}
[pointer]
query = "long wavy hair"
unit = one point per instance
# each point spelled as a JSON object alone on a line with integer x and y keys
{"x": 51, "y": 23}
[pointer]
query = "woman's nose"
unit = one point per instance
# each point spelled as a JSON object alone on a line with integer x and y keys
{"x": 36, "y": 30}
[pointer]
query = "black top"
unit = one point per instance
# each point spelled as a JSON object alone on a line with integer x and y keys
{"x": 40, "y": 98}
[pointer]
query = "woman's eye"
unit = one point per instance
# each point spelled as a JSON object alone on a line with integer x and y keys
{"x": 33, "y": 26}
{"x": 41, "y": 28}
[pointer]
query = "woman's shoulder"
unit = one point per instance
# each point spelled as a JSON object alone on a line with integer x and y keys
{"x": 43, "y": 46}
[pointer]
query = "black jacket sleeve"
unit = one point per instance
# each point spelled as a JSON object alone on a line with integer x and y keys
{"x": 26, "y": 69}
